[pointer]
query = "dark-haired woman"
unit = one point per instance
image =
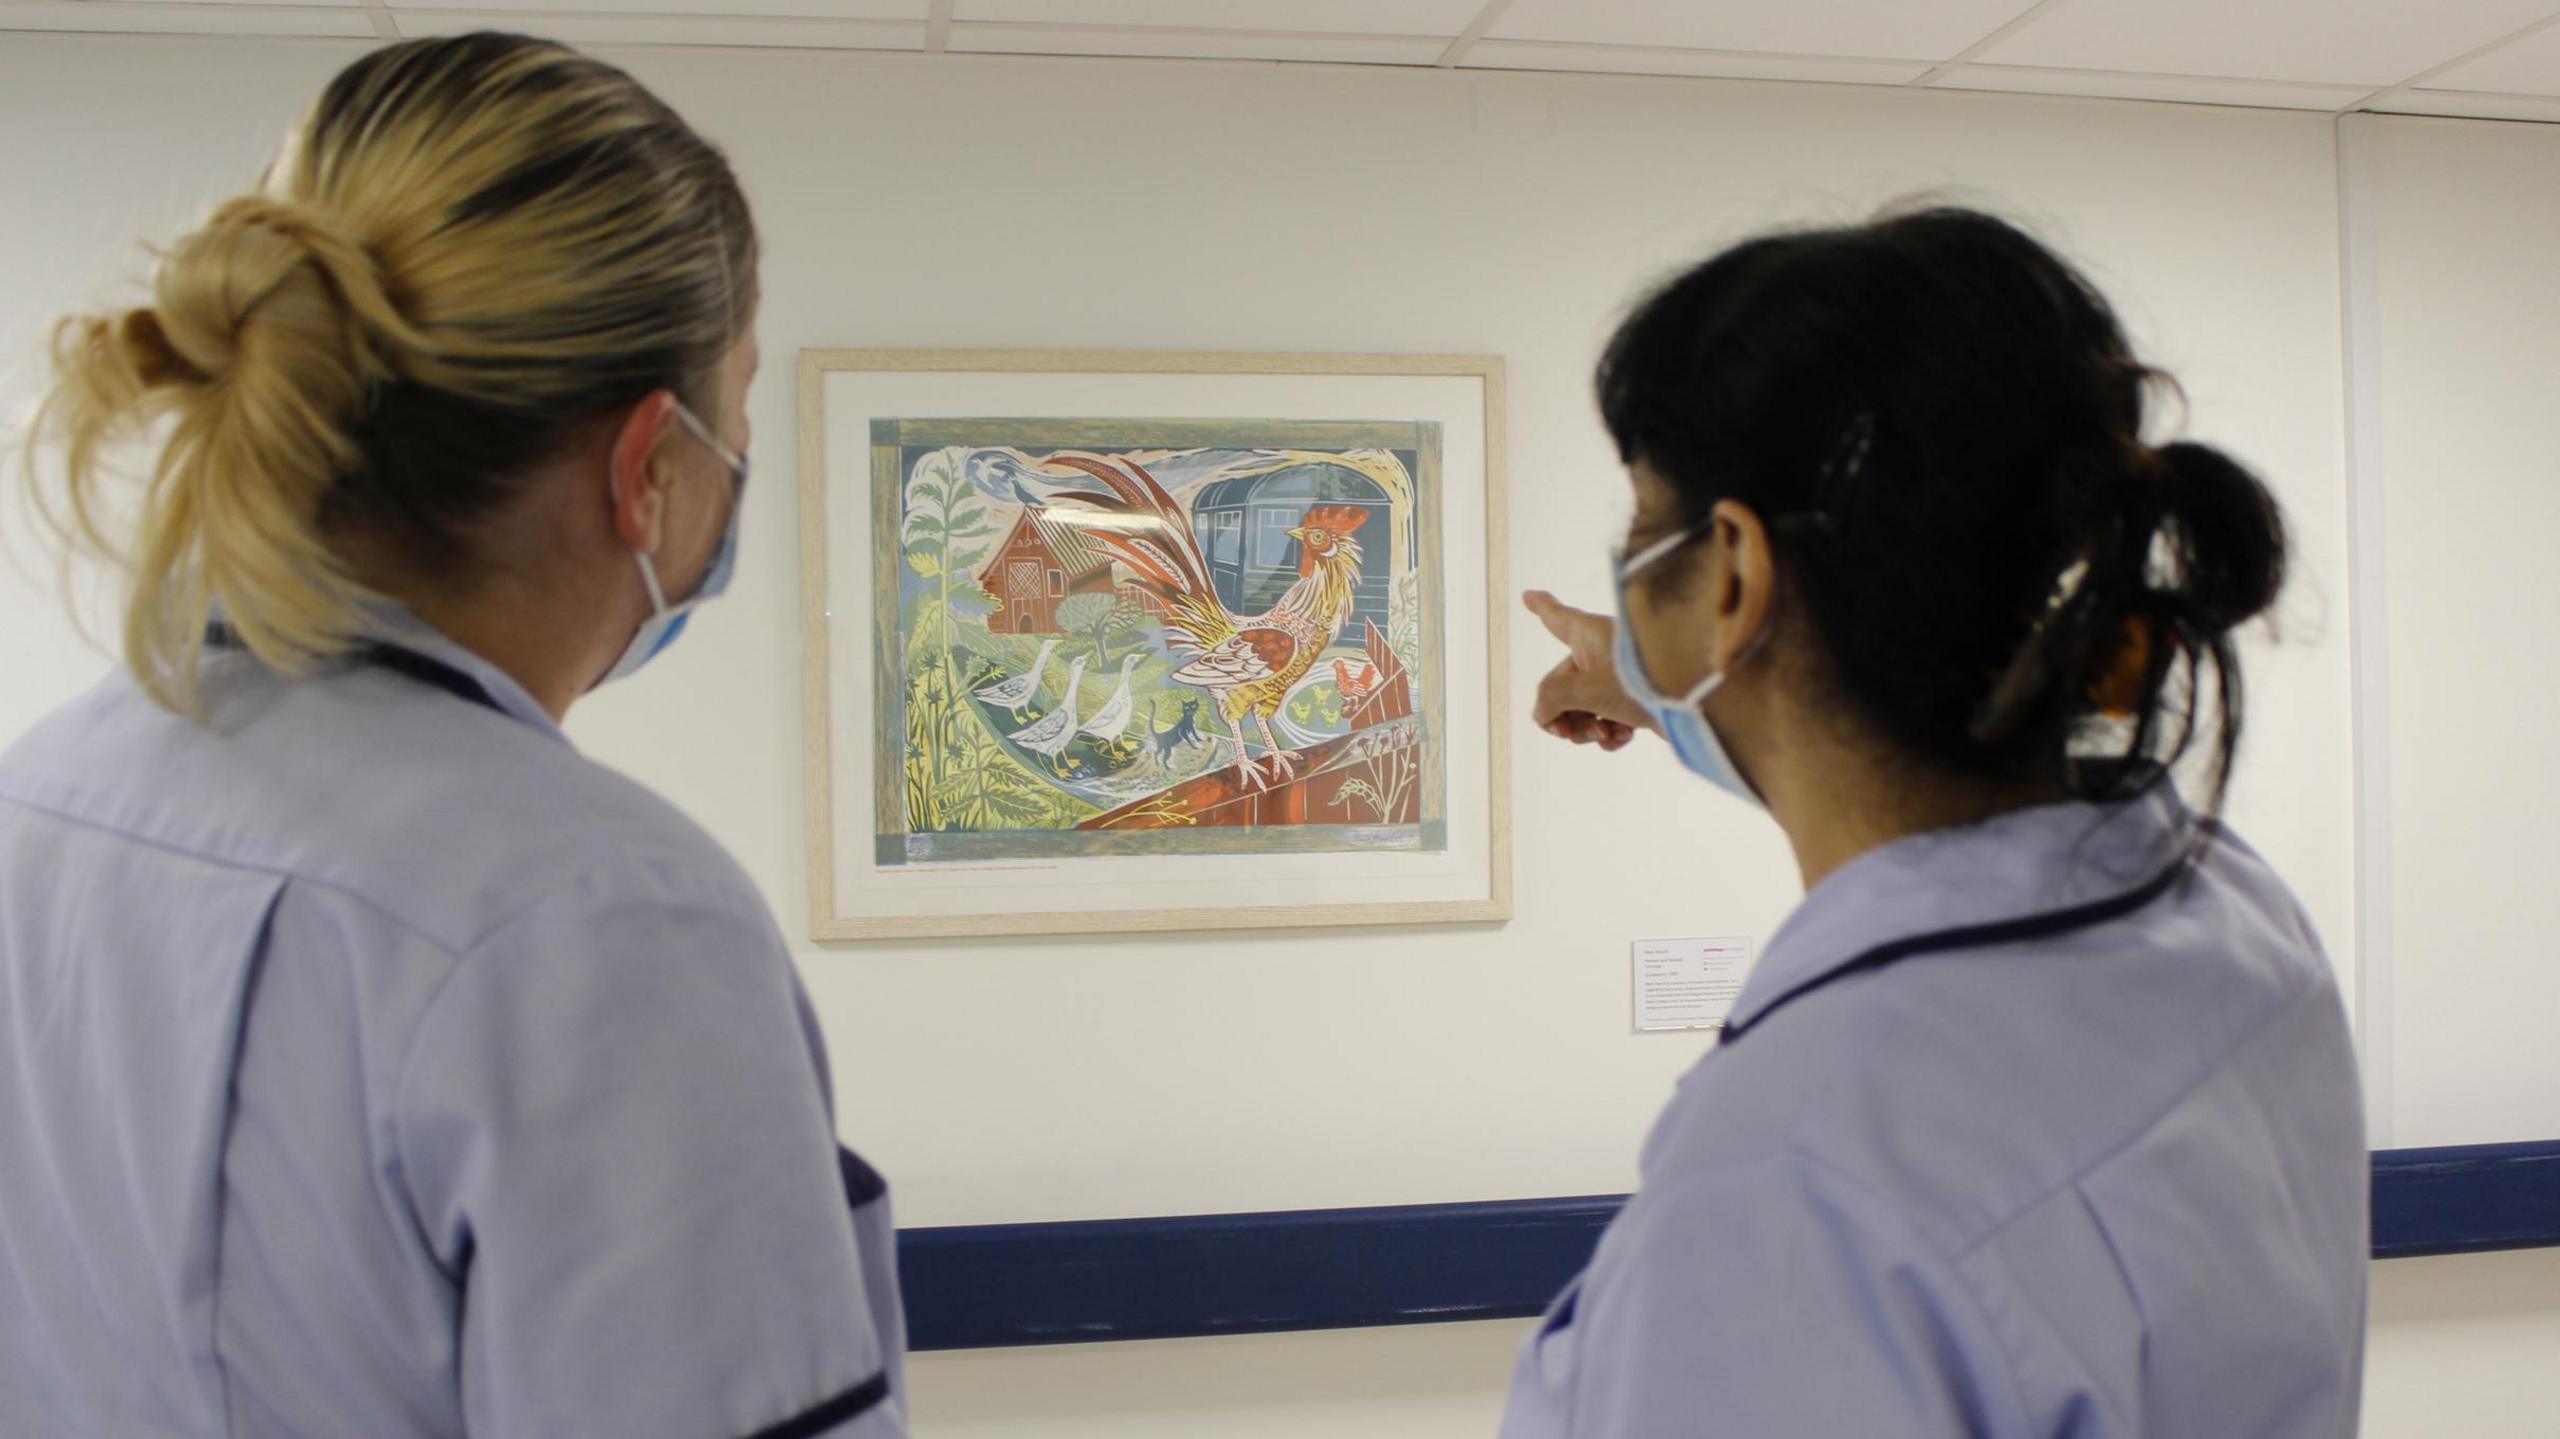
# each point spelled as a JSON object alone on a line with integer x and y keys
{"x": 374, "y": 1063}
{"x": 2038, "y": 1117}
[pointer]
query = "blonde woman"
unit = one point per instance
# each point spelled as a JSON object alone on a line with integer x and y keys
{"x": 375, "y": 1065}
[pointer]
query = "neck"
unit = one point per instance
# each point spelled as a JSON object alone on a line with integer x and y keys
{"x": 551, "y": 670}
{"x": 1837, "y": 799}
{"x": 503, "y": 618}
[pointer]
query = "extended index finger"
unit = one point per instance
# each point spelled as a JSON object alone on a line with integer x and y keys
{"x": 1562, "y": 620}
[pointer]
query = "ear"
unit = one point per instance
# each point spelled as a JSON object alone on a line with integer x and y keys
{"x": 1744, "y": 579}
{"x": 638, "y": 487}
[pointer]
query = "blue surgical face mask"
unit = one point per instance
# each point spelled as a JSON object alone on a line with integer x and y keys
{"x": 1692, "y": 735}
{"x": 666, "y": 621}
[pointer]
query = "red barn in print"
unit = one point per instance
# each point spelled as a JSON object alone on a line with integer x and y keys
{"x": 1040, "y": 564}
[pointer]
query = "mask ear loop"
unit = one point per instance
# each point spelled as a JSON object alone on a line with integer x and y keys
{"x": 737, "y": 466}
{"x": 649, "y": 578}
{"x": 736, "y": 462}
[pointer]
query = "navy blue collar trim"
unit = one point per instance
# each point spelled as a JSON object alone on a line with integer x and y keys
{"x": 425, "y": 669}
{"x": 862, "y": 1183}
{"x": 1976, "y": 936}
{"x": 844, "y": 1407}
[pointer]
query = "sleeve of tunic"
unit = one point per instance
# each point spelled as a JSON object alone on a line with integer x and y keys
{"x": 613, "y": 1133}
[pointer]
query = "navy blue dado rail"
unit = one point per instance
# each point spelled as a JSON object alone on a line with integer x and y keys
{"x": 980, "y": 1285}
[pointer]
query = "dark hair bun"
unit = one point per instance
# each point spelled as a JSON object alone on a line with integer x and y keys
{"x": 2227, "y": 534}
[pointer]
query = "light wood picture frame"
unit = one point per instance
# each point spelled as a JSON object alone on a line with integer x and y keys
{"x": 1283, "y": 575}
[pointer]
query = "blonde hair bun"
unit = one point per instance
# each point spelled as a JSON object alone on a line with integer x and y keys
{"x": 468, "y": 246}
{"x": 260, "y": 266}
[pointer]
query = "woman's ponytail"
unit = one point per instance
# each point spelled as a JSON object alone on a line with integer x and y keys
{"x": 258, "y": 354}
{"x": 470, "y": 247}
{"x": 2226, "y": 537}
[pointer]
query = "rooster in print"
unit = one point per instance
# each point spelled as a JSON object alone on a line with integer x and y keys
{"x": 1247, "y": 663}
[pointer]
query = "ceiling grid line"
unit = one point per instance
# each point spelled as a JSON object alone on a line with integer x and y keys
{"x": 1486, "y": 19}
{"x": 2016, "y": 23}
{"x": 1070, "y": 27}
{"x": 2220, "y": 54}
{"x": 1603, "y": 48}
{"x": 2114, "y": 74}
{"x": 2393, "y": 92}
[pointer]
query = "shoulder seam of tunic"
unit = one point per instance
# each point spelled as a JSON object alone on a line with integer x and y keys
{"x": 290, "y": 877}
{"x": 2134, "y": 1136}
{"x": 615, "y": 854}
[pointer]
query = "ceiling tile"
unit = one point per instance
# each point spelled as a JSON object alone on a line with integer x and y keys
{"x": 2339, "y": 42}
{"x": 1444, "y": 18}
{"x": 1194, "y": 44}
{"x": 907, "y": 10}
{"x": 2186, "y": 89}
{"x": 97, "y": 17}
{"x": 2473, "y": 106}
{"x": 2530, "y": 66}
{"x": 1888, "y": 29}
{"x": 1722, "y": 64}
{"x": 742, "y": 31}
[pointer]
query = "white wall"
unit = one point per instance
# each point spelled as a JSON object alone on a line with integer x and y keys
{"x": 983, "y": 202}
{"x": 2461, "y": 220}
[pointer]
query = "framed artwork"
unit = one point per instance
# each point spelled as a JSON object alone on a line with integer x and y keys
{"x": 1131, "y": 640}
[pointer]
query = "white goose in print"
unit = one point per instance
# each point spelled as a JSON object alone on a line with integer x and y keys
{"x": 1049, "y": 734}
{"x": 1016, "y": 692}
{"x": 1109, "y": 721}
